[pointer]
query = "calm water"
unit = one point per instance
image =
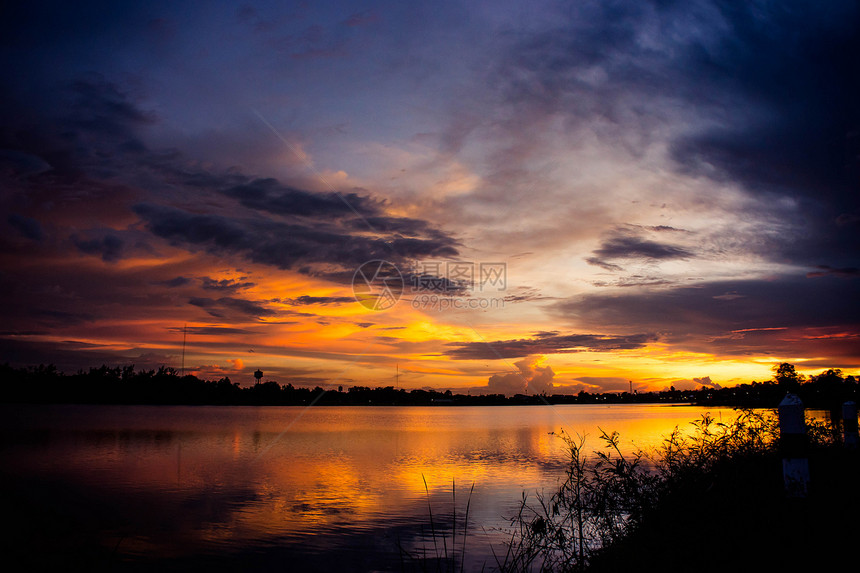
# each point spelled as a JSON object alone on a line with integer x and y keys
{"x": 242, "y": 488}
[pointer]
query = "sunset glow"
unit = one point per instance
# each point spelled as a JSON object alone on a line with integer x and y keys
{"x": 656, "y": 195}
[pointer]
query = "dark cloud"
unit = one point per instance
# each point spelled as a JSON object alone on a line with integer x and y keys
{"x": 398, "y": 225}
{"x": 634, "y": 281}
{"x": 597, "y": 262}
{"x": 28, "y": 227}
{"x": 798, "y": 65}
{"x": 307, "y": 299}
{"x": 270, "y": 196}
{"x": 225, "y": 306}
{"x": 282, "y": 245}
{"x": 794, "y": 315}
{"x": 545, "y": 343}
{"x": 16, "y": 164}
{"x": 765, "y": 94}
{"x": 69, "y": 356}
{"x": 787, "y": 72}
{"x": 60, "y": 318}
{"x": 176, "y": 282}
{"x": 666, "y": 229}
{"x": 84, "y": 130}
{"x": 525, "y": 294}
{"x": 824, "y": 270}
{"x": 109, "y": 247}
{"x": 224, "y": 285}
{"x": 101, "y": 109}
{"x": 796, "y": 68}
{"x": 788, "y": 301}
{"x": 638, "y": 248}
{"x": 89, "y": 137}
{"x": 631, "y": 244}
{"x": 211, "y": 330}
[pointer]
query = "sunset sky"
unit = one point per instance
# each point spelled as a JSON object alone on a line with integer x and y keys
{"x": 671, "y": 188}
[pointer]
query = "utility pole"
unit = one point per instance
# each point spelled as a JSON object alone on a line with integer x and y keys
{"x": 184, "y": 335}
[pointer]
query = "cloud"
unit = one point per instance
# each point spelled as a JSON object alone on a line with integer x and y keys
{"x": 284, "y": 245}
{"x": 225, "y": 285}
{"x": 531, "y": 378}
{"x": 628, "y": 244}
{"x": 706, "y": 381}
{"x": 733, "y": 98}
{"x": 90, "y": 138}
{"x": 774, "y": 57}
{"x": 61, "y": 318}
{"x": 307, "y": 299}
{"x": 229, "y": 305}
{"x": 212, "y": 330}
{"x": 176, "y": 282}
{"x": 598, "y": 384}
{"x": 522, "y": 293}
{"x": 736, "y": 121}
{"x": 635, "y": 281}
{"x": 270, "y": 196}
{"x": 776, "y": 315}
{"x": 666, "y": 229}
{"x": 825, "y": 270}
{"x": 26, "y": 226}
{"x": 69, "y": 356}
{"x": 692, "y": 384}
{"x": 109, "y": 247}
{"x": 637, "y": 248}
{"x": 545, "y": 343}
{"x": 795, "y": 139}
{"x": 597, "y": 262}
{"x": 17, "y": 164}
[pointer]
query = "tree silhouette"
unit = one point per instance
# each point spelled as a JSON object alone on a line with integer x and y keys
{"x": 786, "y": 376}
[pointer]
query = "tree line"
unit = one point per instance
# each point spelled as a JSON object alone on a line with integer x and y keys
{"x": 165, "y": 385}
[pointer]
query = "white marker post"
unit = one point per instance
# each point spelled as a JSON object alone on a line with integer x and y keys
{"x": 792, "y": 435}
{"x": 850, "y": 439}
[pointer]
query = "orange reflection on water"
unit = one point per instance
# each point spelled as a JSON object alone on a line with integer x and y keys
{"x": 241, "y": 477}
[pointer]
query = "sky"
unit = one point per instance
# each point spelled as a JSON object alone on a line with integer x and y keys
{"x": 567, "y": 196}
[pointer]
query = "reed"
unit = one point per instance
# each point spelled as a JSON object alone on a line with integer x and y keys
{"x": 606, "y": 498}
{"x": 442, "y": 559}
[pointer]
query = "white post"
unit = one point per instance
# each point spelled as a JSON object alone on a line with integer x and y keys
{"x": 849, "y": 425}
{"x": 792, "y": 435}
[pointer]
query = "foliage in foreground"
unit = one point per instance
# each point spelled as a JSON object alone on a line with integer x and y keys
{"x": 604, "y": 500}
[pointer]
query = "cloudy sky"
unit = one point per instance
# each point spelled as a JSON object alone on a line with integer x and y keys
{"x": 670, "y": 190}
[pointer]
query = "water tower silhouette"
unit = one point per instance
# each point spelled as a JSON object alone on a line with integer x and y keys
{"x": 258, "y": 374}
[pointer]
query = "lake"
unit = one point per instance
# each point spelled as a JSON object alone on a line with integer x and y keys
{"x": 130, "y": 488}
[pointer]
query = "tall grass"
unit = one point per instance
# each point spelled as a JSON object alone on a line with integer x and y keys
{"x": 442, "y": 559}
{"x": 606, "y": 498}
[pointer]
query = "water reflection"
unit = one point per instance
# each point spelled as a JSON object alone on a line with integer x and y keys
{"x": 116, "y": 487}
